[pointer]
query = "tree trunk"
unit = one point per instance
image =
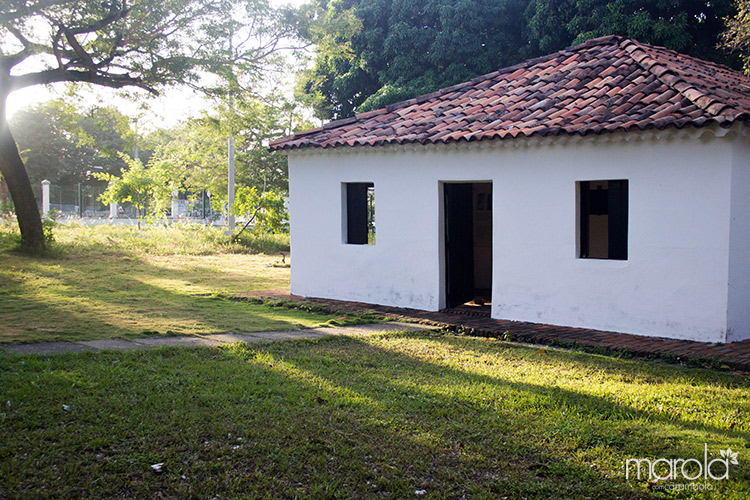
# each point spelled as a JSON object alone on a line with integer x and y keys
{"x": 17, "y": 180}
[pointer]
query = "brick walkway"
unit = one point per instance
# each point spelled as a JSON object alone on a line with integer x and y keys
{"x": 735, "y": 355}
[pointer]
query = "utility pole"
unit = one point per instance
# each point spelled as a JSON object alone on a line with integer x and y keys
{"x": 135, "y": 147}
{"x": 230, "y": 170}
{"x": 230, "y": 189}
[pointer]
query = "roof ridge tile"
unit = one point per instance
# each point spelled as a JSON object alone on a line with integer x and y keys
{"x": 668, "y": 76}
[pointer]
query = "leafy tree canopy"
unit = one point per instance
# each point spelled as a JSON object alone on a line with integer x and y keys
{"x": 688, "y": 26}
{"x": 387, "y": 50}
{"x": 737, "y": 35}
{"x": 140, "y": 43}
{"x": 195, "y": 153}
{"x": 61, "y": 143}
{"x": 374, "y": 52}
{"x": 143, "y": 188}
{"x": 191, "y": 158}
{"x": 265, "y": 211}
{"x": 126, "y": 43}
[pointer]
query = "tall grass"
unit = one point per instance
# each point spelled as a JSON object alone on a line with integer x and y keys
{"x": 158, "y": 239}
{"x": 9, "y": 235}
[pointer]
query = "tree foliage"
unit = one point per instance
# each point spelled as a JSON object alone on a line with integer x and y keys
{"x": 140, "y": 43}
{"x": 195, "y": 153}
{"x": 62, "y": 143}
{"x": 125, "y": 43}
{"x": 265, "y": 211}
{"x": 395, "y": 49}
{"x": 688, "y": 26}
{"x": 136, "y": 185}
{"x": 737, "y": 35}
{"x": 192, "y": 158}
{"x": 374, "y": 52}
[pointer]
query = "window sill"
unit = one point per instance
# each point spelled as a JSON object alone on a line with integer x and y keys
{"x": 602, "y": 263}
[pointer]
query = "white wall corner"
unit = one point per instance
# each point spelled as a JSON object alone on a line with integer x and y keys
{"x": 738, "y": 310}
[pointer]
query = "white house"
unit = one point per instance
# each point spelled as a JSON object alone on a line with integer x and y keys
{"x": 605, "y": 186}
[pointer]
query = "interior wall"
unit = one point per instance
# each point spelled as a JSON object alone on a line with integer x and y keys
{"x": 598, "y": 236}
{"x": 482, "y": 193}
{"x": 598, "y": 228}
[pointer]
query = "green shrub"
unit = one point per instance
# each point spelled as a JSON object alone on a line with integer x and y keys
{"x": 10, "y": 237}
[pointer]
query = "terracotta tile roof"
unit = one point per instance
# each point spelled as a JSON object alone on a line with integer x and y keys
{"x": 604, "y": 85}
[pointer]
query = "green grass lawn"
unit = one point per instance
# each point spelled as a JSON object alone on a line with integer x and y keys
{"x": 369, "y": 417}
{"x": 104, "y": 282}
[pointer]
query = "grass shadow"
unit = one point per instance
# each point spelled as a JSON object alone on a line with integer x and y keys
{"x": 341, "y": 417}
{"x": 79, "y": 298}
{"x": 553, "y": 422}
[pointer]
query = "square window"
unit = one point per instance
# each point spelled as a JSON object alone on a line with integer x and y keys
{"x": 603, "y": 217}
{"x": 360, "y": 213}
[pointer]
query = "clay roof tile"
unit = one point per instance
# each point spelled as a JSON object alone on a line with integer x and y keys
{"x": 608, "y": 84}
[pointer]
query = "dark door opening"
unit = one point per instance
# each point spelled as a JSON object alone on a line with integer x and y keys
{"x": 468, "y": 244}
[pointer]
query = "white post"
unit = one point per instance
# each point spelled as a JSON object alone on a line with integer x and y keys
{"x": 112, "y": 206}
{"x": 175, "y": 205}
{"x": 45, "y": 197}
{"x": 230, "y": 190}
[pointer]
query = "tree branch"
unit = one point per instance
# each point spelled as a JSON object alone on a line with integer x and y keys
{"x": 114, "y": 16}
{"x": 29, "y": 48}
{"x": 70, "y": 75}
{"x": 250, "y": 221}
{"x": 82, "y": 54}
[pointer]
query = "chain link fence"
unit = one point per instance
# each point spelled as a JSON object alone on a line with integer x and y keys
{"x": 82, "y": 201}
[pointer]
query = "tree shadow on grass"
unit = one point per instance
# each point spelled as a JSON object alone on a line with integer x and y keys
{"x": 577, "y": 362}
{"x": 560, "y": 425}
{"x": 58, "y": 299}
{"x": 650, "y": 372}
{"x": 332, "y": 418}
{"x": 267, "y": 421}
{"x": 412, "y": 439}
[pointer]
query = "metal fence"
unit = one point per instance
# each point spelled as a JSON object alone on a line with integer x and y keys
{"x": 82, "y": 201}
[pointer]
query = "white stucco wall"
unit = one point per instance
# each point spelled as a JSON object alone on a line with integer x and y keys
{"x": 739, "y": 241}
{"x": 673, "y": 284}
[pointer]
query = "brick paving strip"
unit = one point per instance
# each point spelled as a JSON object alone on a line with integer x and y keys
{"x": 211, "y": 340}
{"x": 735, "y": 355}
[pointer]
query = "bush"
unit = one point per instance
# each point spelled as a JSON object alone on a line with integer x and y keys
{"x": 10, "y": 237}
{"x": 268, "y": 243}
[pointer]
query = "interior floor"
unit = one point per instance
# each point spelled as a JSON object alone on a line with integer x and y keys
{"x": 482, "y": 297}
{"x": 470, "y": 310}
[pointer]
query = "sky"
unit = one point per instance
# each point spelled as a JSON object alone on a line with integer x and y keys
{"x": 171, "y": 107}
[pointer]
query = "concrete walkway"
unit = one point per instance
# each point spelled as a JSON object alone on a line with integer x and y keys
{"x": 203, "y": 340}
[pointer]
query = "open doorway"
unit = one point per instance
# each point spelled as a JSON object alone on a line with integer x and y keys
{"x": 468, "y": 245}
